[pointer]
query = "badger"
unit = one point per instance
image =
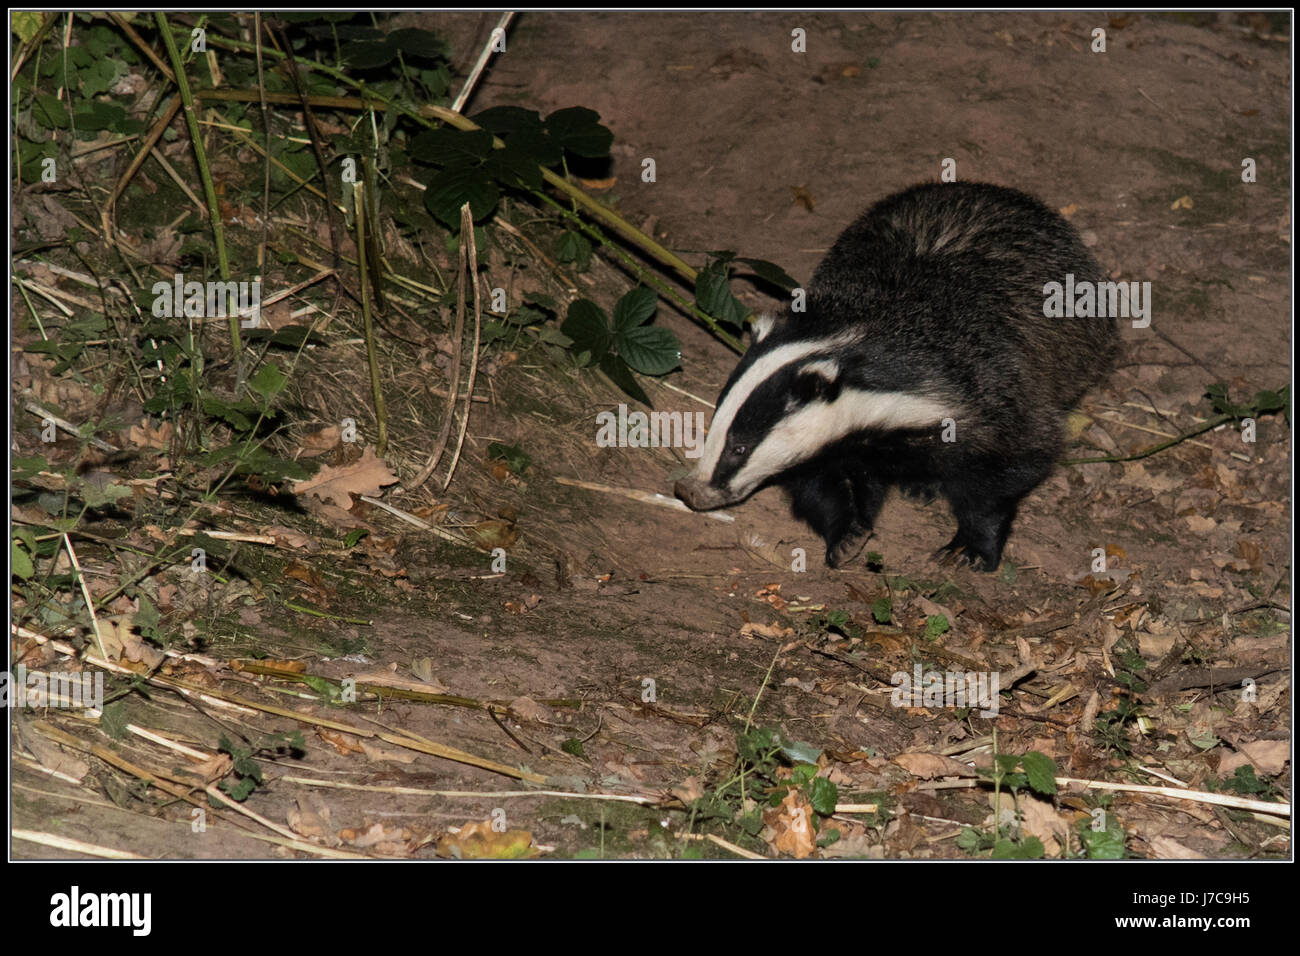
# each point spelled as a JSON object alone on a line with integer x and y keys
{"x": 923, "y": 359}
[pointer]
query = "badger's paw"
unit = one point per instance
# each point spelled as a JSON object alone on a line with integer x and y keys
{"x": 847, "y": 547}
{"x": 959, "y": 553}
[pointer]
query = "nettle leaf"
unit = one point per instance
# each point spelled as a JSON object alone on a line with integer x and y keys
{"x": 97, "y": 495}
{"x": 771, "y": 272}
{"x": 578, "y": 130}
{"x": 587, "y": 325}
{"x": 368, "y": 55}
{"x": 526, "y": 315}
{"x": 446, "y": 146}
{"x": 574, "y": 248}
{"x": 234, "y": 415}
{"x": 20, "y": 561}
{"x": 713, "y": 295}
{"x": 49, "y": 111}
{"x": 255, "y": 461}
{"x": 635, "y": 308}
{"x": 553, "y": 336}
{"x": 421, "y": 44}
{"x": 621, "y": 375}
{"x": 649, "y": 349}
{"x": 1040, "y": 769}
{"x": 453, "y": 187}
{"x": 269, "y": 381}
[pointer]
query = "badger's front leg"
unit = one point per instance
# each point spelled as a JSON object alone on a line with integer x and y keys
{"x": 984, "y": 501}
{"x": 840, "y": 504}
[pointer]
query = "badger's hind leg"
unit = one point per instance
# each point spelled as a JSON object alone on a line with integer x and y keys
{"x": 841, "y": 503}
{"x": 984, "y": 502}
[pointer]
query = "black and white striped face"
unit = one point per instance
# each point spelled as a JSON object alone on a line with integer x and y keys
{"x": 785, "y": 402}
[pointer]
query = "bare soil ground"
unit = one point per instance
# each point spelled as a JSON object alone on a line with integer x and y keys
{"x": 633, "y": 642}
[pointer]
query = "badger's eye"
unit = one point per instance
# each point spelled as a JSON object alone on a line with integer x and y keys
{"x": 737, "y": 450}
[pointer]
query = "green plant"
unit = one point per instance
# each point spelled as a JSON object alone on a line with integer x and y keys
{"x": 768, "y": 766}
{"x": 624, "y": 345}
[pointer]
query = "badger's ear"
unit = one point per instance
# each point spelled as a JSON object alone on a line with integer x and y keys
{"x": 818, "y": 381}
{"x": 762, "y": 325}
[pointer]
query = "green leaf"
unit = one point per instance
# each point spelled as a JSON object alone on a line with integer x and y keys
{"x": 21, "y": 468}
{"x": 770, "y": 272}
{"x": 511, "y": 166}
{"x": 96, "y": 494}
{"x": 882, "y": 610}
{"x": 823, "y": 795}
{"x": 421, "y": 44}
{"x": 353, "y": 536}
{"x": 269, "y": 381}
{"x": 1106, "y": 844}
{"x": 516, "y": 459}
{"x": 713, "y": 295}
{"x": 588, "y": 326}
{"x": 232, "y": 414}
{"x": 553, "y": 336}
{"x": 578, "y": 130}
{"x": 621, "y": 375}
{"x": 636, "y": 307}
{"x": 1007, "y": 763}
{"x": 20, "y": 562}
{"x": 573, "y": 247}
{"x": 48, "y": 110}
{"x": 363, "y": 55}
{"x": 935, "y": 625}
{"x": 797, "y": 751}
{"x": 453, "y": 187}
{"x": 99, "y": 115}
{"x": 649, "y": 349}
{"x": 446, "y": 146}
{"x": 523, "y": 132}
{"x": 1041, "y": 771}
{"x": 507, "y": 120}
{"x": 113, "y": 720}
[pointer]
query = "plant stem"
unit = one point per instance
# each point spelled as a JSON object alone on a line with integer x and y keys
{"x": 209, "y": 187}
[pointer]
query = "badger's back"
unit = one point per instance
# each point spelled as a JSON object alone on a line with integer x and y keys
{"x": 945, "y": 285}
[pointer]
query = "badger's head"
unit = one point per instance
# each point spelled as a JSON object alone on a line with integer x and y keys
{"x": 788, "y": 400}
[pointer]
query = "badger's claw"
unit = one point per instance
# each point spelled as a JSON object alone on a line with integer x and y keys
{"x": 957, "y": 553}
{"x": 848, "y": 547}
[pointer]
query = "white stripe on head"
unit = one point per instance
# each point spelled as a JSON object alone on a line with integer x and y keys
{"x": 801, "y": 435}
{"x": 763, "y": 369}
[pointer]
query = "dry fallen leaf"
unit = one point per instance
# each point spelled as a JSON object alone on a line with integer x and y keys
{"x": 363, "y": 477}
{"x": 478, "y": 841}
{"x": 789, "y": 827}
{"x": 930, "y": 766}
{"x": 322, "y": 441}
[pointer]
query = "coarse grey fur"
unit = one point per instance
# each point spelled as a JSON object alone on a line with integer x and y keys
{"x": 924, "y": 321}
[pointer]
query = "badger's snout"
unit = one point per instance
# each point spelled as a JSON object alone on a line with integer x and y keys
{"x": 698, "y": 495}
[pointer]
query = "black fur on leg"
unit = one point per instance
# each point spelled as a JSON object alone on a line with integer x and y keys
{"x": 840, "y": 502}
{"x": 984, "y": 501}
